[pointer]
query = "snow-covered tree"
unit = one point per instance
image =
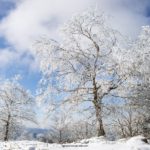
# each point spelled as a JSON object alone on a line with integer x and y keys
{"x": 127, "y": 120}
{"x": 82, "y": 129}
{"x": 60, "y": 122}
{"x": 141, "y": 90}
{"x": 141, "y": 52}
{"x": 15, "y": 107}
{"x": 86, "y": 66}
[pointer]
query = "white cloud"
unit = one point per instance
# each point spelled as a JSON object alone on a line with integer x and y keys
{"x": 10, "y": 58}
{"x": 33, "y": 18}
{"x": 127, "y": 16}
{"x": 6, "y": 57}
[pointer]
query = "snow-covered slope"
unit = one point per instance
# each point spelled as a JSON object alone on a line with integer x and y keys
{"x": 97, "y": 143}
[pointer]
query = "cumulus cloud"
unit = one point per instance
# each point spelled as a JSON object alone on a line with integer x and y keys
{"x": 33, "y": 18}
{"x": 12, "y": 58}
{"x": 7, "y": 56}
{"x": 127, "y": 16}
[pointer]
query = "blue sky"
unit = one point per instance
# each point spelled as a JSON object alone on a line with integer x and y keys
{"x": 30, "y": 79}
{"x": 5, "y": 7}
{"x": 24, "y": 21}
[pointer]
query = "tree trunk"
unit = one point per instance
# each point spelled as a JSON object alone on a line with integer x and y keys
{"x": 99, "y": 121}
{"x": 86, "y": 130}
{"x": 98, "y": 109}
{"x": 60, "y": 136}
{"x": 7, "y": 129}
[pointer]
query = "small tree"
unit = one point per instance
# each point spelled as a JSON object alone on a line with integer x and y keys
{"x": 82, "y": 129}
{"x": 127, "y": 120}
{"x": 15, "y": 107}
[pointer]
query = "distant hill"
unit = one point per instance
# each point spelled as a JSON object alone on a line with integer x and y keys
{"x": 36, "y": 134}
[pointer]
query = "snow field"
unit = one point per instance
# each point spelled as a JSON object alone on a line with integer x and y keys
{"x": 97, "y": 143}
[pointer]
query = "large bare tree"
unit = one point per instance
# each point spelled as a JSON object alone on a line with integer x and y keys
{"x": 86, "y": 66}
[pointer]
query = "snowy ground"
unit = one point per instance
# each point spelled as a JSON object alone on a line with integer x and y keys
{"x": 135, "y": 143}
